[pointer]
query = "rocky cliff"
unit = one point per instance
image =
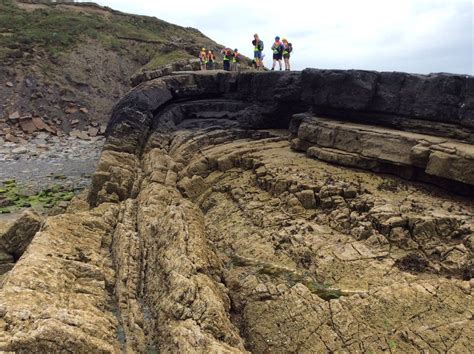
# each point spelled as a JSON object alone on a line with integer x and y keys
{"x": 68, "y": 63}
{"x": 234, "y": 213}
{"x": 419, "y": 127}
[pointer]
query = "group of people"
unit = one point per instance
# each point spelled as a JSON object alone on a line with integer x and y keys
{"x": 231, "y": 58}
{"x": 281, "y": 50}
{"x": 207, "y": 59}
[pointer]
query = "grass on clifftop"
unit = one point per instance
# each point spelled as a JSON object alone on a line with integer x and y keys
{"x": 167, "y": 58}
{"x": 55, "y": 30}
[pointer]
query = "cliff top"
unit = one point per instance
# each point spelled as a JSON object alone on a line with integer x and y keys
{"x": 59, "y": 27}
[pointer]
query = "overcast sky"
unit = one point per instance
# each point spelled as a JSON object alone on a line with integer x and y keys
{"x": 419, "y": 36}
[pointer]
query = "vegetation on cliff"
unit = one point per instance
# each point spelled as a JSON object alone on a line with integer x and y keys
{"x": 58, "y": 58}
{"x": 26, "y": 28}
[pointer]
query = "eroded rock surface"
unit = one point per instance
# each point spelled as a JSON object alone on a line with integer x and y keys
{"x": 438, "y": 160}
{"x": 15, "y": 238}
{"x": 58, "y": 296}
{"x": 250, "y": 244}
{"x": 208, "y": 232}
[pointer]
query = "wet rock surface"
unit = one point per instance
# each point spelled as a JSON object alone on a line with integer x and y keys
{"x": 205, "y": 231}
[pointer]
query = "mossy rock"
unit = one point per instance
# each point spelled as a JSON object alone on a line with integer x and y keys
{"x": 291, "y": 276}
{"x": 66, "y": 196}
{"x": 47, "y": 198}
{"x": 323, "y": 291}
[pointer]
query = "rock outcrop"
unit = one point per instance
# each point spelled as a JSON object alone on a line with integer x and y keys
{"x": 180, "y": 65}
{"x": 395, "y": 99}
{"x": 443, "y": 161}
{"x": 209, "y": 231}
{"x": 428, "y": 120}
{"x": 59, "y": 294}
{"x": 15, "y": 238}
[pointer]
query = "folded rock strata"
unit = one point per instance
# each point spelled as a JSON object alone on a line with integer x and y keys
{"x": 207, "y": 232}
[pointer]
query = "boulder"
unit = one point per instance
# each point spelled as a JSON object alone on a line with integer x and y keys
{"x": 41, "y": 125}
{"x": 307, "y": 199}
{"x": 12, "y": 138}
{"x": 79, "y": 134}
{"x": 18, "y": 236}
{"x": 14, "y": 116}
{"x": 20, "y": 150}
{"x": 27, "y": 125}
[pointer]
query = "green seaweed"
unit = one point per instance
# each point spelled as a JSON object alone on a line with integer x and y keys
{"x": 4, "y": 210}
{"x": 59, "y": 177}
{"x": 322, "y": 291}
{"x": 291, "y": 276}
{"x": 46, "y": 198}
{"x": 392, "y": 344}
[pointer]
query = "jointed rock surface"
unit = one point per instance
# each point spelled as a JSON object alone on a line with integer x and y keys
{"x": 263, "y": 212}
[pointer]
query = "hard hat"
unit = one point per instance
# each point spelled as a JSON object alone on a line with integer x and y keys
{"x": 277, "y": 38}
{"x": 203, "y": 49}
{"x": 236, "y": 50}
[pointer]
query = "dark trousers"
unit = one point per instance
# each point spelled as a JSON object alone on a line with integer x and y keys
{"x": 227, "y": 65}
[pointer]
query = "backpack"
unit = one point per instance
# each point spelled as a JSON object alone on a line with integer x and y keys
{"x": 278, "y": 49}
{"x": 260, "y": 45}
{"x": 290, "y": 48}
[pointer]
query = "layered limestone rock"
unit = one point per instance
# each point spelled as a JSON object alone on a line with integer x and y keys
{"x": 207, "y": 232}
{"x": 411, "y": 155}
{"x": 434, "y": 106}
{"x": 58, "y": 297}
{"x": 247, "y": 244}
{"x": 437, "y": 104}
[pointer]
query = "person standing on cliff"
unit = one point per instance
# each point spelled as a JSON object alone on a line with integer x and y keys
{"x": 211, "y": 58}
{"x": 287, "y": 49}
{"x": 203, "y": 58}
{"x": 277, "y": 49}
{"x": 235, "y": 61}
{"x": 257, "y": 51}
{"x": 226, "y": 57}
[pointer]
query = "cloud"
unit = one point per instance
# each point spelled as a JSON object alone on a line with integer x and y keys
{"x": 408, "y": 35}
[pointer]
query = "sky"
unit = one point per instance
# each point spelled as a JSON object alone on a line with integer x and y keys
{"x": 418, "y": 36}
